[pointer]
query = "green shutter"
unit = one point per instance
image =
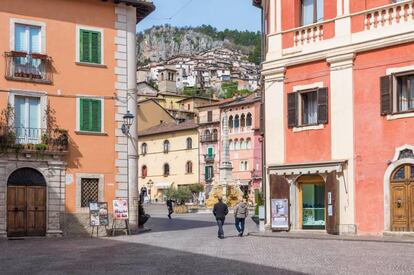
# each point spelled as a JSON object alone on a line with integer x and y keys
{"x": 210, "y": 151}
{"x": 90, "y": 115}
{"x": 206, "y": 173}
{"x": 90, "y": 46}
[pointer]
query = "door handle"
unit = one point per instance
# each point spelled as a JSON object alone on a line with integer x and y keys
{"x": 16, "y": 209}
{"x": 35, "y": 208}
{"x": 399, "y": 204}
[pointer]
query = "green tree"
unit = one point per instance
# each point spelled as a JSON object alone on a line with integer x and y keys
{"x": 229, "y": 89}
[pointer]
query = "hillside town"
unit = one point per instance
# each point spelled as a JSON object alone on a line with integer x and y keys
{"x": 275, "y": 137}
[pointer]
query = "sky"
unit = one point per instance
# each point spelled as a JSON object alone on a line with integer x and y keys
{"x": 222, "y": 14}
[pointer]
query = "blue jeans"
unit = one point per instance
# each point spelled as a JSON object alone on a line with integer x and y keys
{"x": 220, "y": 223}
{"x": 240, "y": 224}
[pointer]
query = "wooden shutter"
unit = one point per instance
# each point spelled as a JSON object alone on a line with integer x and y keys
{"x": 332, "y": 204}
{"x": 210, "y": 151}
{"x": 323, "y": 105}
{"x": 209, "y": 116}
{"x": 280, "y": 189}
{"x": 85, "y": 123}
{"x": 292, "y": 110}
{"x": 95, "y": 115}
{"x": 386, "y": 94}
{"x": 95, "y": 47}
{"x": 85, "y": 42}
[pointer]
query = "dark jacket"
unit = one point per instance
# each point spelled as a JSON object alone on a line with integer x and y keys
{"x": 220, "y": 210}
{"x": 169, "y": 203}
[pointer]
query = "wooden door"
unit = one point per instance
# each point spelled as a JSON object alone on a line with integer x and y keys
{"x": 411, "y": 207}
{"x": 16, "y": 211}
{"x": 399, "y": 207}
{"x": 36, "y": 211}
{"x": 332, "y": 203}
{"x": 26, "y": 211}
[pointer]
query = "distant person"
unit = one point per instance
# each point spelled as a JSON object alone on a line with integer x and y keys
{"x": 220, "y": 211}
{"x": 240, "y": 214}
{"x": 170, "y": 208}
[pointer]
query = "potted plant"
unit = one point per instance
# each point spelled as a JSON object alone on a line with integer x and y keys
{"x": 259, "y": 202}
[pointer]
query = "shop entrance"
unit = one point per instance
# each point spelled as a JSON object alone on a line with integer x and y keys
{"x": 312, "y": 213}
{"x": 26, "y": 203}
{"x": 402, "y": 198}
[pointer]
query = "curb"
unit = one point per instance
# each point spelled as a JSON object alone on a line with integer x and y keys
{"x": 330, "y": 238}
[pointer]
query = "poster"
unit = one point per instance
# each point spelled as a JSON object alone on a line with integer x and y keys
{"x": 98, "y": 213}
{"x": 280, "y": 214}
{"x": 120, "y": 209}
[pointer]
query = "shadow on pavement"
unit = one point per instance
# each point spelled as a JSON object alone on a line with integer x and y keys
{"x": 100, "y": 256}
{"x": 176, "y": 224}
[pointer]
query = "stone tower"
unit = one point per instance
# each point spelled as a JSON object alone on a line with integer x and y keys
{"x": 225, "y": 164}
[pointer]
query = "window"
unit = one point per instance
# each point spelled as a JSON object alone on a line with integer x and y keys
{"x": 27, "y": 119}
{"x": 210, "y": 151}
{"x": 242, "y": 144}
{"x": 308, "y": 107}
{"x": 243, "y": 121}
{"x": 312, "y": 11}
{"x": 236, "y": 144}
{"x": 231, "y": 145}
{"x": 208, "y": 173}
{"x": 144, "y": 171}
{"x": 27, "y": 38}
{"x": 248, "y": 143}
{"x": 236, "y": 121}
{"x": 166, "y": 146}
{"x": 90, "y": 46}
{"x": 397, "y": 93}
{"x": 166, "y": 170}
{"x": 189, "y": 143}
{"x": 90, "y": 115}
{"x": 189, "y": 167}
{"x": 144, "y": 149}
{"x": 244, "y": 165}
{"x": 231, "y": 122}
{"x": 249, "y": 120}
{"x": 215, "y": 135}
{"x": 209, "y": 116}
{"x": 89, "y": 191}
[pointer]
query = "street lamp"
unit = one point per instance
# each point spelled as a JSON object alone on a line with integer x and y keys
{"x": 128, "y": 119}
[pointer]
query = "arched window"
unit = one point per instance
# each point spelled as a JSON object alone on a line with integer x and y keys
{"x": 236, "y": 122}
{"x": 189, "y": 167}
{"x": 236, "y": 144}
{"x": 231, "y": 122}
{"x": 231, "y": 144}
{"x": 189, "y": 143}
{"x": 166, "y": 170}
{"x": 215, "y": 135}
{"x": 144, "y": 171}
{"x": 242, "y": 144}
{"x": 248, "y": 143}
{"x": 249, "y": 120}
{"x": 166, "y": 146}
{"x": 144, "y": 148}
{"x": 243, "y": 121}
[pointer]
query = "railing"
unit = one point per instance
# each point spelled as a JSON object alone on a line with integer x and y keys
{"x": 33, "y": 67}
{"x": 35, "y": 139}
{"x": 209, "y": 138}
{"x": 209, "y": 158}
{"x": 389, "y": 15}
{"x": 307, "y": 35}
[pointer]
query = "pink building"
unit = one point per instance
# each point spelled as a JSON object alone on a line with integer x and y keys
{"x": 245, "y": 141}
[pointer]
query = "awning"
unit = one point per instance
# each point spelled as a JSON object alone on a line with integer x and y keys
{"x": 308, "y": 168}
{"x": 162, "y": 185}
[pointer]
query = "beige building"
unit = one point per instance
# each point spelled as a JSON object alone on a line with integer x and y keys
{"x": 151, "y": 113}
{"x": 168, "y": 156}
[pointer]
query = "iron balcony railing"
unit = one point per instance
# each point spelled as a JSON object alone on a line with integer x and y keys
{"x": 209, "y": 158}
{"x": 209, "y": 138}
{"x": 33, "y": 139}
{"x": 22, "y": 66}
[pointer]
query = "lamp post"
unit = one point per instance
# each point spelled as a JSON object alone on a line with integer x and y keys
{"x": 128, "y": 119}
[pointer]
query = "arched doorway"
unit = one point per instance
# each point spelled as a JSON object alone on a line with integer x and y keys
{"x": 26, "y": 203}
{"x": 402, "y": 198}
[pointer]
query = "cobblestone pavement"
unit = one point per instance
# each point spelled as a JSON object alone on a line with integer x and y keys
{"x": 188, "y": 244}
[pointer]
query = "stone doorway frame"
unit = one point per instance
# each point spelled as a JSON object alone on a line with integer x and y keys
{"x": 394, "y": 164}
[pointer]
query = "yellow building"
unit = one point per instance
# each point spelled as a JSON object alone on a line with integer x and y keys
{"x": 168, "y": 156}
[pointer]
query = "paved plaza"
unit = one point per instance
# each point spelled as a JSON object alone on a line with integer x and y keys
{"x": 188, "y": 244}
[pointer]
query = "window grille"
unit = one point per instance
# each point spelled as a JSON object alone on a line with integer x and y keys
{"x": 89, "y": 191}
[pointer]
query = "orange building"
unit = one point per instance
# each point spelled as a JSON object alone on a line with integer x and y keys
{"x": 339, "y": 112}
{"x": 69, "y": 78}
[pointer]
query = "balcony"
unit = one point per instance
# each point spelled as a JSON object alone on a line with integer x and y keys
{"x": 33, "y": 139}
{"x": 209, "y": 138}
{"x": 21, "y": 66}
{"x": 394, "y": 14}
{"x": 209, "y": 158}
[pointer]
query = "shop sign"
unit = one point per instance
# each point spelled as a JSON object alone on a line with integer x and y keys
{"x": 98, "y": 213}
{"x": 280, "y": 214}
{"x": 120, "y": 209}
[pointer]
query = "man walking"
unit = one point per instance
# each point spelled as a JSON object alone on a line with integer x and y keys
{"x": 240, "y": 214}
{"x": 170, "y": 208}
{"x": 220, "y": 211}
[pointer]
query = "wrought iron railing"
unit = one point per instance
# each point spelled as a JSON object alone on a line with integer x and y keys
{"x": 33, "y": 67}
{"x": 35, "y": 139}
{"x": 209, "y": 138}
{"x": 209, "y": 158}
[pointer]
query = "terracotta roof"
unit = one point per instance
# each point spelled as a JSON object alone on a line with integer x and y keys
{"x": 144, "y": 7}
{"x": 221, "y": 102}
{"x": 243, "y": 100}
{"x": 169, "y": 127}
